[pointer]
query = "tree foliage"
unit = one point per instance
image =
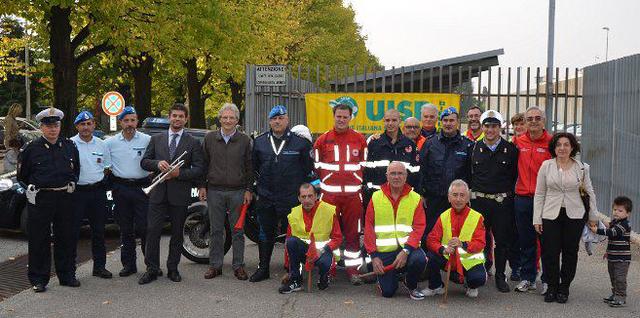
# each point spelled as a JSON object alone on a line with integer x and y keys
{"x": 159, "y": 52}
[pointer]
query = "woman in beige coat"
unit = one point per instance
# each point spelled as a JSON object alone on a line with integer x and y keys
{"x": 559, "y": 214}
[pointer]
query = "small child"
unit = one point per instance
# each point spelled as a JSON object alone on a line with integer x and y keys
{"x": 618, "y": 250}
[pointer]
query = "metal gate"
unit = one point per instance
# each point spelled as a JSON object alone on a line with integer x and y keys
{"x": 476, "y": 77}
{"x": 611, "y": 141}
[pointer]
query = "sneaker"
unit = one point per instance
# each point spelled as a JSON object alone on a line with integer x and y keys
{"x": 293, "y": 286}
{"x": 543, "y": 288}
{"x": 416, "y": 294}
{"x": 472, "y": 292}
{"x": 617, "y": 303}
{"x": 525, "y": 286}
{"x": 609, "y": 299}
{"x": 431, "y": 292}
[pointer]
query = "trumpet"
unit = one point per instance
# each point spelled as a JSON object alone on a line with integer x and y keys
{"x": 177, "y": 163}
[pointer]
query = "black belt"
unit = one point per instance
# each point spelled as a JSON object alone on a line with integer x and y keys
{"x": 142, "y": 182}
{"x": 92, "y": 186}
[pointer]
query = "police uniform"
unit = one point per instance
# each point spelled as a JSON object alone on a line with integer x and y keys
{"x": 131, "y": 204}
{"x": 50, "y": 171}
{"x": 381, "y": 153}
{"x": 90, "y": 198}
{"x": 494, "y": 173}
{"x": 281, "y": 165}
{"x": 442, "y": 160}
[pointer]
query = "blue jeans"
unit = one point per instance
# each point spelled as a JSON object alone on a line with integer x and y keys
{"x": 523, "y": 208}
{"x": 474, "y": 277}
{"x": 416, "y": 262}
{"x": 297, "y": 250}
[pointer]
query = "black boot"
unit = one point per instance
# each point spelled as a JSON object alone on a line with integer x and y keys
{"x": 265, "y": 249}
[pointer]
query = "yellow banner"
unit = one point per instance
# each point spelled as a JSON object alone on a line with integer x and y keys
{"x": 370, "y": 107}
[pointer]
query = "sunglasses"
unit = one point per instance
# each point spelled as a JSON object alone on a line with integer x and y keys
{"x": 411, "y": 127}
{"x": 534, "y": 118}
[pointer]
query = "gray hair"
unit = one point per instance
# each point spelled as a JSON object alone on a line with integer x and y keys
{"x": 459, "y": 183}
{"x": 427, "y": 107}
{"x": 534, "y": 108}
{"x": 229, "y": 106}
{"x": 392, "y": 111}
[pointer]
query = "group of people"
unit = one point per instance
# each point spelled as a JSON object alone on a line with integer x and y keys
{"x": 428, "y": 200}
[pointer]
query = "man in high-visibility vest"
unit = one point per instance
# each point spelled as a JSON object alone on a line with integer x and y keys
{"x": 339, "y": 155}
{"x": 312, "y": 218}
{"x": 458, "y": 238}
{"x": 394, "y": 224}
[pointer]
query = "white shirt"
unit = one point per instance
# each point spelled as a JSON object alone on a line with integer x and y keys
{"x": 227, "y": 137}
{"x": 127, "y": 154}
{"x": 94, "y": 158}
{"x": 171, "y": 133}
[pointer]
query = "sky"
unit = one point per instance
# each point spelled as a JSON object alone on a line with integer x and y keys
{"x": 407, "y": 32}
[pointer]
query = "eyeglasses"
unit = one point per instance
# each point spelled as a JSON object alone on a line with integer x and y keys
{"x": 411, "y": 127}
{"x": 534, "y": 118}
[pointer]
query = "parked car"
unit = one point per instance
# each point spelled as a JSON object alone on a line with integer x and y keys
{"x": 28, "y": 130}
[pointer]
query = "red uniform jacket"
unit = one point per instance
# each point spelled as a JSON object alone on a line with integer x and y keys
{"x": 338, "y": 158}
{"x": 532, "y": 153}
{"x": 335, "y": 236}
{"x": 419, "y": 221}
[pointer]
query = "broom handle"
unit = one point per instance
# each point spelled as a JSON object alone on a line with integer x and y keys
{"x": 447, "y": 276}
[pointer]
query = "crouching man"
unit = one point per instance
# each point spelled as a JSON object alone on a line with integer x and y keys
{"x": 311, "y": 218}
{"x": 394, "y": 224}
{"x": 459, "y": 238}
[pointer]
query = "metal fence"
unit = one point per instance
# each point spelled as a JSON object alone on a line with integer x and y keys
{"x": 611, "y": 139}
{"x": 509, "y": 90}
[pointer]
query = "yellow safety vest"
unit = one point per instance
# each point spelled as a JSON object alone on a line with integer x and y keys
{"x": 393, "y": 232}
{"x": 466, "y": 233}
{"x": 321, "y": 226}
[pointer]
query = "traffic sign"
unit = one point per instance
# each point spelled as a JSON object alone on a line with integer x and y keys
{"x": 112, "y": 103}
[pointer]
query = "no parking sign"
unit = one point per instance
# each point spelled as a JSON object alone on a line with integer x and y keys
{"x": 112, "y": 105}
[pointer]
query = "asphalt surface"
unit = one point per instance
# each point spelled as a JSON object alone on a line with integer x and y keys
{"x": 12, "y": 244}
{"x": 227, "y": 297}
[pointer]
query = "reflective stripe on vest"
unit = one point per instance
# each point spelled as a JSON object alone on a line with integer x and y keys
{"x": 392, "y": 233}
{"x": 466, "y": 234}
{"x": 321, "y": 226}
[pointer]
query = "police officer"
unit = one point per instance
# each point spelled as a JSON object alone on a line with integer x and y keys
{"x": 494, "y": 167}
{"x": 131, "y": 204}
{"x": 90, "y": 199}
{"x": 50, "y": 167}
{"x": 392, "y": 145}
{"x": 282, "y": 162}
{"x": 443, "y": 159}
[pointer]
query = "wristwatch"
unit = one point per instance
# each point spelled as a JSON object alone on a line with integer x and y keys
{"x": 406, "y": 251}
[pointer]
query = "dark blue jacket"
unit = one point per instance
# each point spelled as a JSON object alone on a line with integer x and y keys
{"x": 404, "y": 150}
{"x": 278, "y": 180}
{"x": 442, "y": 160}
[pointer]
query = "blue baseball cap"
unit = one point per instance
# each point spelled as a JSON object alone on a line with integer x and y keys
{"x": 448, "y": 111}
{"x": 83, "y": 116}
{"x": 277, "y": 110}
{"x": 126, "y": 111}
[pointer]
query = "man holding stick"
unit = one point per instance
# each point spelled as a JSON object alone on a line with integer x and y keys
{"x": 315, "y": 221}
{"x": 394, "y": 224}
{"x": 457, "y": 238}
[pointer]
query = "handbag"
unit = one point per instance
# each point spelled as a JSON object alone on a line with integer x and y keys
{"x": 584, "y": 196}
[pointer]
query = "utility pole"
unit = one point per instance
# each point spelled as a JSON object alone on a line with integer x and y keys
{"x": 548, "y": 109}
{"x": 27, "y": 82}
{"x": 606, "y": 52}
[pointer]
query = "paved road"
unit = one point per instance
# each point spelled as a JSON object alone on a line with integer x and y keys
{"x": 12, "y": 244}
{"x": 227, "y": 297}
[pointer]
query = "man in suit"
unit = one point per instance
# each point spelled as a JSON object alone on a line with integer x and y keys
{"x": 174, "y": 194}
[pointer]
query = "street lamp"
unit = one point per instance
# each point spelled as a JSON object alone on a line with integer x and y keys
{"x": 27, "y": 81}
{"x": 606, "y": 52}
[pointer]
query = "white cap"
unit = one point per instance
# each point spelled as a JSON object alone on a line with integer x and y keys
{"x": 49, "y": 115}
{"x": 302, "y": 131}
{"x": 491, "y": 115}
